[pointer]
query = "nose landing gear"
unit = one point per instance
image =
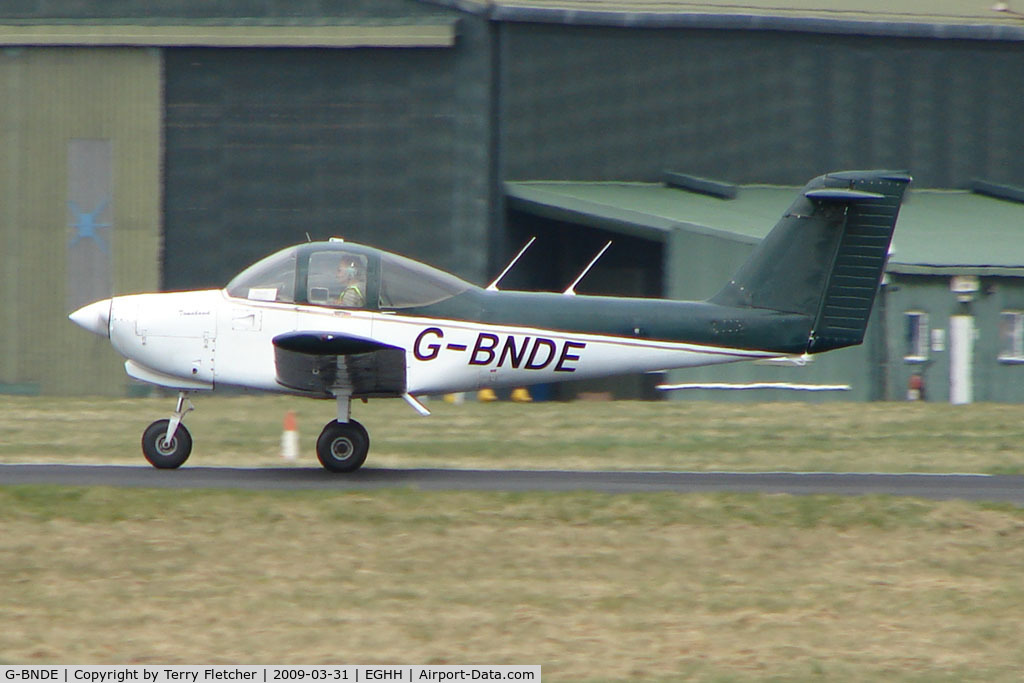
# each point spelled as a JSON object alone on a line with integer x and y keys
{"x": 166, "y": 443}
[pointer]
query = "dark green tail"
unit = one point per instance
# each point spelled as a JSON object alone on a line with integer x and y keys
{"x": 825, "y": 258}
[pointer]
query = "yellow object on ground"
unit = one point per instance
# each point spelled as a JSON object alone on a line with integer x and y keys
{"x": 521, "y": 395}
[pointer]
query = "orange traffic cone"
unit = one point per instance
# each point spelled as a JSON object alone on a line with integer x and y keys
{"x": 290, "y": 437}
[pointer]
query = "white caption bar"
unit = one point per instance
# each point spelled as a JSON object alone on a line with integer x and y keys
{"x": 151, "y": 673}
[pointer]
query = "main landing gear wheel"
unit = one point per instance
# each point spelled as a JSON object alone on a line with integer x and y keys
{"x": 163, "y": 453}
{"x": 342, "y": 446}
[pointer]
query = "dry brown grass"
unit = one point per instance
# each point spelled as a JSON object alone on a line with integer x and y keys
{"x": 592, "y": 587}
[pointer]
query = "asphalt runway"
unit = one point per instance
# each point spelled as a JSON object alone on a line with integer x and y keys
{"x": 937, "y": 486}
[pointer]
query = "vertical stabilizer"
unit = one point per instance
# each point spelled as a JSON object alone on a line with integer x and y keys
{"x": 824, "y": 258}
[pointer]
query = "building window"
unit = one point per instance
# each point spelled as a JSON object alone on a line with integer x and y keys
{"x": 917, "y": 338}
{"x": 1011, "y": 336}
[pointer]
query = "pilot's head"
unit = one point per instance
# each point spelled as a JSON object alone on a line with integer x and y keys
{"x": 349, "y": 269}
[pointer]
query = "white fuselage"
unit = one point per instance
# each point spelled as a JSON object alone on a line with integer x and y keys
{"x": 202, "y": 339}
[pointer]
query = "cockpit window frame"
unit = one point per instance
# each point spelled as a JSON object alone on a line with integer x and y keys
{"x": 372, "y": 257}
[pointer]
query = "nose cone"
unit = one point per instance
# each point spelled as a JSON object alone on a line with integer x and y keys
{"x": 95, "y": 317}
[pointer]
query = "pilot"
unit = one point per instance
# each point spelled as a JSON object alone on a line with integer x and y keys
{"x": 352, "y": 277}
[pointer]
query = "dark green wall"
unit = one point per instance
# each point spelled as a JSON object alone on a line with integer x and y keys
{"x": 263, "y": 146}
{"x": 594, "y": 103}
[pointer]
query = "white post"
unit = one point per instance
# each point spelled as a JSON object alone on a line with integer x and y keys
{"x": 961, "y": 354}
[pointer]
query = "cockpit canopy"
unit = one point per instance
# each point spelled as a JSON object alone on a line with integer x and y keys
{"x": 341, "y": 275}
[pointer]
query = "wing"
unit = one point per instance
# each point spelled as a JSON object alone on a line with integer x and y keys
{"x": 328, "y": 363}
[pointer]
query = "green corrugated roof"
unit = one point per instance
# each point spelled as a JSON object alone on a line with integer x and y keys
{"x": 938, "y": 230}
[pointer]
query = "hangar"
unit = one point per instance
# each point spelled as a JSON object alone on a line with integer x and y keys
{"x": 167, "y": 146}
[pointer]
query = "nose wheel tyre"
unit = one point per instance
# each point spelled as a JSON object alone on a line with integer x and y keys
{"x": 342, "y": 446}
{"x": 163, "y": 453}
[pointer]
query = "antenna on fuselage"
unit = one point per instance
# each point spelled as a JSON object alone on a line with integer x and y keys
{"x": 571, "y": 289}
{"x": 493, "y": 287}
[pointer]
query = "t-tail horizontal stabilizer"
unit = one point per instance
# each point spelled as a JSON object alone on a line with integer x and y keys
{"x": 825, "y": 257}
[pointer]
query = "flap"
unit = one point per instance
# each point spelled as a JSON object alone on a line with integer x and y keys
{"x": 331, "y": 364}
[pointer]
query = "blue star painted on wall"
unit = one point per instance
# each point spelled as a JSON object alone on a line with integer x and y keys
{"x": 86, "y": 224}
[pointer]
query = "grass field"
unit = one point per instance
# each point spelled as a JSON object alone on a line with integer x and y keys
{"x": 590, "y": 586}
{"x": 245, "y": 431}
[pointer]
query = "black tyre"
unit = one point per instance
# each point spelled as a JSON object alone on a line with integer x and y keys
{"x": 163, "y": 454}
{"x": 342, "y": 446}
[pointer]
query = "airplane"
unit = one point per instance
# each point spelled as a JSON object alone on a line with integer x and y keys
{"x": 343, "y": 321}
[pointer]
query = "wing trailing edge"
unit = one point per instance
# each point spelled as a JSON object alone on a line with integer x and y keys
{"x": 333, "y": 364}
